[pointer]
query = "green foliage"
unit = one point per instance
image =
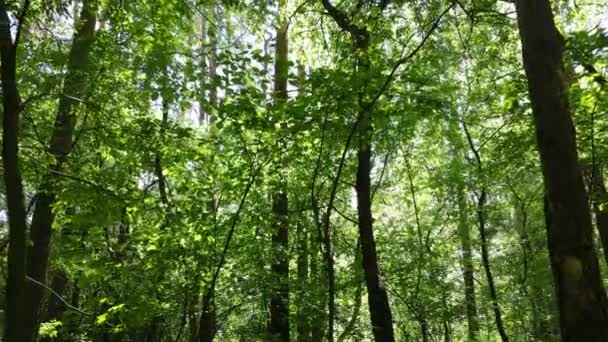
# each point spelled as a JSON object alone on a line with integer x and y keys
{"x": 49, "y": 329}
{"x": 148, "y": 208}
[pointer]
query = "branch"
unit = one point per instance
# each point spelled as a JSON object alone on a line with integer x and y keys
{"x": 87, "y": 182}
{"x": 358, "y": 34}
{"x": 344, "y": 216}
{"x": 235, "y": 220}
{"x": 26, "y": 6}
{"x": 401, "y": 61}
{"x": 472, "y": 146}
{"x": 65, "y": 302}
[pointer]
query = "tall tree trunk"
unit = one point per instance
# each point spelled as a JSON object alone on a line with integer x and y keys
{"x": 485, "y": 259}
{"x": 481, "y": 221}
{"x": 15, "y": 294}
{"x": 302, "y": 313}
{"x": 379, "y": 308}
{"x": 75, "y": 88}
{"x": 599, "y": 200}
{"x": 318, "y": 319}
{"x": 464, "y": 233}
{"x": 352, "y": 323}
{"x": 207, "y": 325}
{"x": 380, "y": 312}
{"x": 583, "y": 306}
{"x": 279, "y": 301}
{"x": 464, "y": 230}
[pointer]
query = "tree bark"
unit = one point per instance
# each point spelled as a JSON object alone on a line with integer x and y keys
{"x": 583, "y": 306}
{"x": 11, "y": 103}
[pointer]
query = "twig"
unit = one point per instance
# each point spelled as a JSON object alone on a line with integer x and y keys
{"x": 87, "y": 182}
{"x": 65, "y": 302}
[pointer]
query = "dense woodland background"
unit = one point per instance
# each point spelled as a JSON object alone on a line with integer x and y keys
{"x": 304, "y": 170}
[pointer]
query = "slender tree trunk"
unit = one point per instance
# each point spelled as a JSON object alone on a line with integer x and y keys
{"x": 379, "y": 308}
{"x": 599, "y": 199}
{"x": 464, "y": 233}
{"x": 15, "y": 284}
{"x": 583, "y": 306}
{"x": 319, "y": 318}
{"x": 380, "y": 312}
{"x": 485, "y": 259}
{"x": 207, "y": 323}
{"x": 302, "y": 313}
{"x": 424, "y": 330}
{"x": 481, "y": 221}
{"x": 350, "y": 326}
{"x": 279, "y": 302}
{"x": 75, "y": 88}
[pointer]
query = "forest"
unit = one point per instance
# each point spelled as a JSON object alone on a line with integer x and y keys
{"x": 304, "y": 170}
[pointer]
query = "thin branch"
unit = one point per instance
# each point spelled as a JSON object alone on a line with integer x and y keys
{"x": 344, "y": 216}
{"x": 235, "y": 220}
{"x": 65, "y": 302}
{"x": 87, "y": 182}
{"x": 402, "y": 60}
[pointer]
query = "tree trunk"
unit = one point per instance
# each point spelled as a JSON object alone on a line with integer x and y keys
{"x": 481, "y": 221}
{"x": 582, "y": 300}
{"x": 485, "y": 258}
{"x": 464, "y": 229}
{"x": 350, "y": 326}
{"x": 599, "y": 199}
{"x": 61, "y": 145}
{"x": 279, "y": 301}
{"x": 207, "y": 323}
{"x": 464, "y": 233}
{"x": 15, "y": 294}
{"x": 302, "y": 314}
{"x": 319, "y": 316}
{"x": 380, "y": 312}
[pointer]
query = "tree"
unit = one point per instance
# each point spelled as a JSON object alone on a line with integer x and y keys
{"x": 279, "y": 299}
{"x": 75, "y": 91}
{"x": 12, "y": 106}
{"x": 379, "y": 308}
{"x": 582, "y": 300}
